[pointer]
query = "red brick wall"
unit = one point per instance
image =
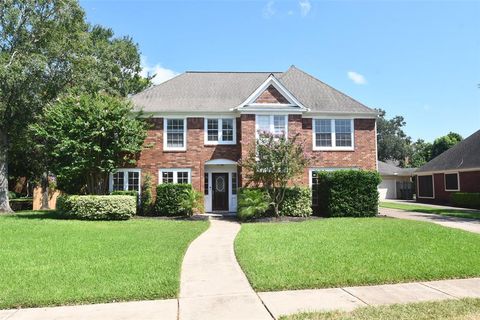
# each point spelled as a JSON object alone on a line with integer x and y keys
{"x": 271, "y": 95}
{"x": 154, "y": 158}
{"x": 469, "y": 182}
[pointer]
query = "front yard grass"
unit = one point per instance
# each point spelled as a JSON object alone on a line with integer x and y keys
{"x": 46, "y": 261}
{"x": 464, "y": 309}
{"x": 338, "y": 252}
{"x": 472, "y": 214}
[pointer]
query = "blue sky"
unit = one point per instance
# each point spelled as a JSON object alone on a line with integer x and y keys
{"x": 416, "y": 59}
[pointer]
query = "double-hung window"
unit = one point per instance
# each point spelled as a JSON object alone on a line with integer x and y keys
{"x": 175, "y": 134}
{"x": 273, "y": 124}
{"x": 125, "y": 180}
{"x": 220, "y": 131}
{"x": 333, "y": 134}
{"x": 175, "y": 176}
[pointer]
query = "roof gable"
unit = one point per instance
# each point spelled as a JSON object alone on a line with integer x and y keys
{"x": 271, "y": 95}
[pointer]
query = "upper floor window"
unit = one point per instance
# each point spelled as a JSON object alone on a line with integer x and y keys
{"x": 220, "y": 131}
{"x": 175, "y": 175}
{"x": 333, "y": 134}
{"x": 274, "y": 124}
{"x": 175, "y": 134}
{"x": 125, "y": 180}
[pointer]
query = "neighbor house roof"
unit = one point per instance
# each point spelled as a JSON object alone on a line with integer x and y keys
{"x": 388, "y": 169}
{"x": 464, "y": 155}
{"x": 222, "y": 91}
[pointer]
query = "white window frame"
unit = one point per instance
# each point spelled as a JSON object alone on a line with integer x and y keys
{"x": 165, "y": 133}
{"x": 433, "y": 186}
{"x": 333, "y": 147}
{"x": 271, "y": 123}
{"x": 125, "y": 172}
{"x": 175, "y": 176}
{"x": 445, "y": 181}
{"x": 219, "y": 130}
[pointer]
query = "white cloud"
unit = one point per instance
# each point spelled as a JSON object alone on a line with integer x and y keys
{"x": 357, "y": 78}
{"x": 269, "y": 11}
{"x": 305, "y": 7}
{"x": 161, "y": 74}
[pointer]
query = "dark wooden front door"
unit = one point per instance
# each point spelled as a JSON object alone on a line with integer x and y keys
{"x": 220, "y": 191}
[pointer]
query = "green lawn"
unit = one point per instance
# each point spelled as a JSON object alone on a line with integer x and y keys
{"x": 464, "y": 309}
{"x": 472, "y": 214}
{"x": 47, "y": 261}
{"x": 353, "y": 251}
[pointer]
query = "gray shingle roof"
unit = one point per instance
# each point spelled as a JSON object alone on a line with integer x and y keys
{"x": 387, "y": 169}
{"x": 222, "y": 91}
{"x": 464, "y": 155}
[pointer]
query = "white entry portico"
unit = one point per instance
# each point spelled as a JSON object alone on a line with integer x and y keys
{"x": 220, "y": 185}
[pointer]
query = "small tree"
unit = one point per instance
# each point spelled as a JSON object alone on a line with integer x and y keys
{"x": 273, "y": 163}
{"x": 87, "y": 137}
{"x": 146, "y": 199}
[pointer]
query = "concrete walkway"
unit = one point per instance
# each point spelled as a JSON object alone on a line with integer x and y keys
{"x": 213, "y": 286}
{"x": 428, "y": 205}
{"x": 471, "y": 225}
{"x": 349, "y": 298}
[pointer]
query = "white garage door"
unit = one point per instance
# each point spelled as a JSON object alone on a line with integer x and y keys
{"x": 386, "y": 188}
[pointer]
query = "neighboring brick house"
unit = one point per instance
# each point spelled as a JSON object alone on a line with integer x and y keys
{"x": 205, "y": 122}
{"x": 455, "y": 170}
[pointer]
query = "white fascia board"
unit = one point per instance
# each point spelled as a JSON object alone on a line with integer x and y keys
{"x": 339, "y": 115}
{"x": 271, "y": 80}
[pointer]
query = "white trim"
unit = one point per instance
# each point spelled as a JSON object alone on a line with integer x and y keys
{"x": 219, "y": 130}
{"x": 445, "y": 181}
{"x": 232, "y": 198}
{"x": 220, "y": 162}
{"x": 333, "y": 147}
{"x": 175, "y": 171}
{"x": 272, "y": 80}
{"x": 446, "y": 171}
{"x": 165, "y": 133}
{"x": 271, "y": 123}
{"x": 339, "y": 115}
{"x": 433, "y": 186}
{"x": 125, "y": 178}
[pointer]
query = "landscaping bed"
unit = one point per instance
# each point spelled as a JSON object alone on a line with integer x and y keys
{"x": 470, "y": 214}
{"x": 464, "y": 309}
{"x": 353, "y": 251}
{"x": 47, "y": 261}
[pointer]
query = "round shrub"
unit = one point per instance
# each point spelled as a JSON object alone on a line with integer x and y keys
{"x": 297, "y": 202}
{"x": 173, "y": 200}
{"x": 116, "y": 207}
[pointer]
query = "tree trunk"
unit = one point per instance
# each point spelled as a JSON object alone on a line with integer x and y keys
{"x": 45, "y": 190}
{"x": 4, "y": 204}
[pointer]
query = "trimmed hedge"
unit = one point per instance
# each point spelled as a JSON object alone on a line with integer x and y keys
{"x": 21, "y": 204}
{"x": 171, "y": 199}
{"x": 124, "y": 193}
{"x": 466, "y": 199}
{"x": 348, "y": 193}
{"x": 297, "y": 202}
{"x": 116, "y": 207}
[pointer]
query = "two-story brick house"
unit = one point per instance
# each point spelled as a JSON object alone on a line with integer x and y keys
{"x": 205, "y": 122}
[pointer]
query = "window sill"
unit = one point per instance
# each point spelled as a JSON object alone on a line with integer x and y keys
{"x": 174, "y": 150}
{"x": 334, "y": 149}
{"x": 220, "y": 143}
{"x": 452, "y": 190}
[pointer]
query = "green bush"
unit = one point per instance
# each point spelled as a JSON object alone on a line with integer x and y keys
{"x": 124, "y": 193}
{"x": 21, "y": 204}
{"x": 297, "y": 202}
{"x": 466, "y": 199}
{"x": 114, "y": 207}
{"x": 348, "y": 193}
{"x": 171, "y": 200}
{"x": 252, "y": 203}
{"x": 146, "y": 201}
{"x": 12, "y": 195}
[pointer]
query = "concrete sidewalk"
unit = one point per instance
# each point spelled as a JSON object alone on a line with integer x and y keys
{"x": 213, "y": 286}
{"x": 470, "y": 225}
{"x": 349, "y": 298}
{"x": 428, "y": 205}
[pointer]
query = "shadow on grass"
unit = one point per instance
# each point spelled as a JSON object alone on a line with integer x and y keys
{"x": 453, "y": 213}
{"x": 38, "y": 215}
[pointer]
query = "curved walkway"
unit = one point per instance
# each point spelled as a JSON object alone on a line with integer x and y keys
{"x": 212, "y": 285}
{"x": 471, "y": 225}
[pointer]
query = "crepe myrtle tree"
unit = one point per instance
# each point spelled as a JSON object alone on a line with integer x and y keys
{"x": 272, "y": 163}
{"x": 87, "y": 137}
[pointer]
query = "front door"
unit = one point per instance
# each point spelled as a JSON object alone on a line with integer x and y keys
{"x": 220, "y": 191}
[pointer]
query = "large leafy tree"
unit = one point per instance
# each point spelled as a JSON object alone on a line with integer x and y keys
{"x": 38, "y": 42}
{"x": 47, "y": 49}
{"x": 273, "y": 162}
{"x": 444, "y": 143}
{"x": 421, "y": 152}
{"x": 392, "y": 142}
{"x": 87, "y": 137}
